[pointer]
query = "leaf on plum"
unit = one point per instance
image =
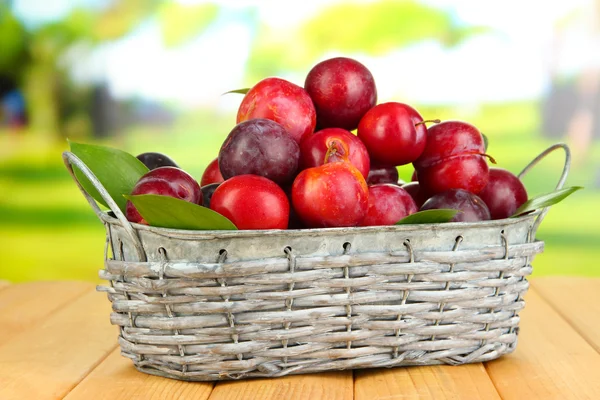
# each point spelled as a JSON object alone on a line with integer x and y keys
{"x": 436, "y": 216}
{"x": 117, "y": 170}
{"x": 485, "y": 142}
{"x": 169, "y": 212}
{"x": 545, "y": 200}
{"x": 240, "y": 91}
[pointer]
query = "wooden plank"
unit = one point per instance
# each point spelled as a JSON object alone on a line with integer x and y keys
{"x": 327, "y": 385}
{"x": 116, "y": 378}
{"x": 4, "y": 284}
{"x": 48, "y": 360}
{"x": 552, "y": 361}
{"x": 576, "y": 299}
{"x": 469, "y": 381}
{"x": 25, "y": 304}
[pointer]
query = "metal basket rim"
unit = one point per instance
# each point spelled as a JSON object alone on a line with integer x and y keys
{"x": 226, "y": 234}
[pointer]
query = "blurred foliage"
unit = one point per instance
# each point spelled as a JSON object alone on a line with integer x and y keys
{"x": 373, "y": 28}
{"x": 13, "y": 45}
{"x": 122, "y": 17}
{"x": 179, "y": 23}
{"x": 380, "y": 27}
{"x": 40, "y": 57}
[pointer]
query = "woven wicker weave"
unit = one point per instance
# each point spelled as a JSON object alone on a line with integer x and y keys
{"x": 212, "y": 305}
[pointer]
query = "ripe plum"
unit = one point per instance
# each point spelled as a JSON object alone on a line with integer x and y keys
{"x": 260, "y": 147}
{"x": 343, "y": 90}
{"x": 471, "y": 207}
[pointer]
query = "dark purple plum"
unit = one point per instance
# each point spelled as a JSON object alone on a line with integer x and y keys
{"x": 382, "y": 174}
{"x": 207, "y": 192}
{"x": 471, "y": 207}
{"x": 414, "y": 189}
{"x": 154, "y": 160}
{"x": 260, "y": 147}
{"x": 503, "y": 194}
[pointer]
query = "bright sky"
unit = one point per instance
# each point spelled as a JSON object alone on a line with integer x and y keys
{"x": 512, "y": 64}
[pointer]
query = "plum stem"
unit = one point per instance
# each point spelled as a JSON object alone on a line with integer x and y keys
{"x": 435, "y": 121}
{"x": 336, "y": 152}
{"x": 492, "y": 160}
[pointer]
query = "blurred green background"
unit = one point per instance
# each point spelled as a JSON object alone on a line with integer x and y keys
{"x": 150, "y": 76}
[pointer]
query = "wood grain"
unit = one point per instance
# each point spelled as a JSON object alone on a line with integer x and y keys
{"x": 552, "y": 361}
{"x": 327, "y": 385}
{"x": 27, "y": 304}
{"x": 48, "y": 360}
{"x": 469, "y": 381}
{"x": 116, "y": 378}
{"x": 576, "y": 300}
{"x": 56, "y": 341}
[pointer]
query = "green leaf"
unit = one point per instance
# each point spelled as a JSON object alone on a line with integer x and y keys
{"x": 485, "y": 142}
{"x": 169, "y": 212}
{"x": 240, "y": 91}
{"x": 435, "y": 216}
{"x": 545, "y": 200}
{"x": 117, "y": 171}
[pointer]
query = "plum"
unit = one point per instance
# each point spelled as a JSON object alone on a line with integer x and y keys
{"x": 260, "y": 147}
{"x": 382, "y": 174}
{"x": 212, "y": 173}
{"x": 414, "y": 189}
{"x": 388, "y": 204}
{"x": 454, "y": 158}
{"x": 207, "y": 193}
{"x": 503, "y": 194}
{"x": 154, "y": 160}
{"x": 283, "y": 102}
{"x": 314, "y": 148}
{"x": 394, "y": 133}
{"x": 164, "y": 181}
{"x": 471, "y": 207}
{"x": 252, "y": 202}
{"x": 343, "y": 90}
{"x": 334, "y": 194}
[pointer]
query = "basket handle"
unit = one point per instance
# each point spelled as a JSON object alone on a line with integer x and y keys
{"x": 71, "y": 159}
{"x": 561, "y": 181}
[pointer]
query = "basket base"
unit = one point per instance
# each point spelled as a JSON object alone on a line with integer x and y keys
{"x": 487, "y": 352}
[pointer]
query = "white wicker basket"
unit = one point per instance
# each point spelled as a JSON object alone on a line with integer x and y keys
{"x": 213, "y": 305}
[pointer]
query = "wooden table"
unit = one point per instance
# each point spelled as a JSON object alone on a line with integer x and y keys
{"x": 56, "y": 342}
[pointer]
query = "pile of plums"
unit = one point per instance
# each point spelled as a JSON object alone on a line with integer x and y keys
{"x": 326, "y": 155}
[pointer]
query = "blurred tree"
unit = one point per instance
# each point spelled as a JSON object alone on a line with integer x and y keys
{"x": 373, "y": 28}
{"x": 13, "y": 54}
{"x": 40, "y": 57}
{"x": 36, "y": 59}
{"x": 13, "y": 44}
{"x": 179, "y": 23}
{"x": 571, "y": 108}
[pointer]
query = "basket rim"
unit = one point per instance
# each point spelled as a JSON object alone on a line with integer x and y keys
{"x": 106, "y": 217}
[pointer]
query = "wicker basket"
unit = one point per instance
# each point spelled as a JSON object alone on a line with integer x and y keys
{"x": 216, "y": 305}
